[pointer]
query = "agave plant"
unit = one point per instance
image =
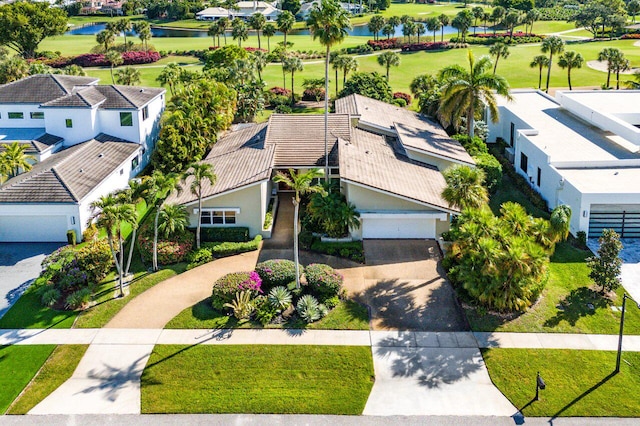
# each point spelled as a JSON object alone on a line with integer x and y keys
{"x": 308, "y": 308}
{"x": 280, "y": 298}
{"x": 241, "y": 306}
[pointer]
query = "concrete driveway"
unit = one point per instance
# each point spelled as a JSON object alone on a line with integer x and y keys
{"x": 19, "y": 266}
{"x": 405, "y": 286}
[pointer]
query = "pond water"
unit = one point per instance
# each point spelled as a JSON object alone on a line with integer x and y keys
{"x": 360, "y": 30}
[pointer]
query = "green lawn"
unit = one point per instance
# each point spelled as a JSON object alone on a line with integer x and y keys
{"x": 579, "y": 383}
{"x": 18, "y": 365}
{"x": 346, "y": 316}
{"x": 28, "y": 312}
{"x": 55, "y": 371}
{"x": 257, "y": 379}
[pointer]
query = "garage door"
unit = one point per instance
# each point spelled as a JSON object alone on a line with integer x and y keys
{"x": 33, "y": 229}
{"x": 624, "y": 219}
{"x": 400, "y": 227}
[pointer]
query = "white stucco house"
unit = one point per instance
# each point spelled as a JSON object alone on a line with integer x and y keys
{"x": 245, "y": 9}
{"x": 389, "y": 162}
{"x": 581, "y": 148}
{"x": 87, "y": 140}
{"x": 351, "y": 7}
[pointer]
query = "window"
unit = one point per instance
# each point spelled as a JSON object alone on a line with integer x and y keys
{"x": 16, "y": 116}
{"x": 135, "y": 162}
{"x": 145, "y": 113}
{"x": 37, "y": 115}
{"x": 126, "y": 119}
{"x": 513, "y": 134}
{"x": 218, "y": 217}
{"x": 69, "y": 123}
{"x": 524, "y": 162}
{"x": 539, "y": 176}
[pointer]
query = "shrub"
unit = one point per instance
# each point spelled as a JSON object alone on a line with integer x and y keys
{"x": 90, "y": 233}
{"x": 78, "y": 299}
{"x": 170, "y": 250}
{"x": 140, "y": 57}
{"x": 582, "y": 239}
{"x": 332, "y": 302}
{"x": 349, "y": 250}
{"x": 491, "y": 167}
{"x": 230, "y": 248}
{"x": 402, "y": 95}
{"x": 279, "y": 298}
{"x": 241, "y": 305}
{"x": 279, "y": 100}
{"x": 280, "y": 91}
{"x": 283, "y": 109}
{"x": 73, "y": 279}
{"x": 226, "y": 287}
{"x": 199, "y": 257}
{"x": 264, "y": 310}
{"x": 233, "y": 234}
{"x": 71, "y": 237}
{"x": 305, "y": 238}
{"x": 634, "y": 36}
{"x": 323, "y": 280}
{"x": 315, "y": 95}
{"x": 309, "y": 309}
{"x": 399, "y": 102}
{"x": 268, "y": 220}
{"x": 276, "y": 272}
{"x": 95, "y": 260}
{"x": 50, "y": 297}
{"x": 473, "y": 146}
{"x": 416, "y": 47}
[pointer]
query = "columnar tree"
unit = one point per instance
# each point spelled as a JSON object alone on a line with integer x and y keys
{"x": 570, "y": 60}
{"x": 606, "y": 266}
{"x": 539, "y": 61}
{"x": 301, "y": 183}
{"x": 552, "y": 45}
{"x": 328, "y": 22}
{"x": 200, "y": 174}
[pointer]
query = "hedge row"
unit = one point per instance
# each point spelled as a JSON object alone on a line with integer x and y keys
{"x": 99, "y": 60}
{"x": 237, "y": 234}
{"x": 498, "y": 38}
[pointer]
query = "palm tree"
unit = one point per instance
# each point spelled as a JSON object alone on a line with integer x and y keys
{"x": 170, "y": 75}
{"x": 159, "y": 186}
{"x": 553, "y": 45}
{"x": 444, "y": 21}
{"x": 14, "y": 158}
{"x": 433, "y": 25}
{"x": 350, "y": 64}
{"x": 463, "y": 91}
{"x": 328, "y": 23}
{"x": 511, "y": 20}
{"x": 122, "y": 26}
{"x": 223, "y": 24}
{"x": 143, "y": 29}
{"x": 539, "y": 61}
{"x": 200, "y": 173}
{"x": 336, "y": 61}
{"x": 569, "y": 60}
{"x": 73, "y": 69}
{"x": 465, "y": 187}
{"x": 420, "y": 29}
{"x": 173, "y": 218}
{"x": 301, "y": 183}
{"x": 257, "y": 22}
{"x": 106, "y": 38}
{"x": 260, "y": 61}
{"x": 497, "y": 14}
{"x": 135, "y": 193}
{"x": 408, "y": 29}
{"x": 13, "y": 69}
{"x": 560, "y": 222}
{"x": 619, "y": 64}
{"x": 269, "y": 31}
{"x": 213, "y": 32}
{"x": 115, "y": 59}
{"x": 292, "y": 63}
{"x": 388, "y": 59}
{"x": 239, "y": 31}
{"x": 285, "y": 23}
{"x": 530, "y": 18}
{"x": 478, "y": 13}
{"x": 607, "y": 54}
{"x": 388, "y": 30}
{"x": 129, "y": 76}
{"x": 499, "y": 50}
{"x": 376, "y": 23}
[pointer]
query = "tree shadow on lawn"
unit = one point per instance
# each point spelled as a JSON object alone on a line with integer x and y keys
{"x": 576, "y": 305}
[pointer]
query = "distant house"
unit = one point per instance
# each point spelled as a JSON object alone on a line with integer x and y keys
{"x": 245, "y": 9}
{"x": 353, "y": 8}
{"x": 581, "y": 149}
{"x": 87, "y": 139}
{"x": 388, "y": 161}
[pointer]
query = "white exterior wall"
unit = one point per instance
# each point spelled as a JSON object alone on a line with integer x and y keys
{"x": 85, "y": 124}
{"x": 39, "y": 212}
{"x": 441, "y": 163}
{"x": 26, "y": 110}
{"x": 109, "y": 123}
{"x": 502, "y": 129}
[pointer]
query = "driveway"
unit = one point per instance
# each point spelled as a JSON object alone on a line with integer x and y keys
{"x": 630, "y": 256}
{"x": 19, "y": 266}
{"x": 405, "y": 286}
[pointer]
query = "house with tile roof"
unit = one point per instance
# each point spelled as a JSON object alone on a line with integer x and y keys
{"x": 243, "y": 10}
{"x": 87, "y": 140}
{"x": 396, "y": 188}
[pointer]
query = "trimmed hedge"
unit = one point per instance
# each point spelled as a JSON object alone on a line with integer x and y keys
{"x": 491, "y": 167}
{"x": 488, "y": 39}
{"x": 277, "y": 272}
{"x": 228, "y": 248}
{"x": 352, "y": 250}
{"x": 236, "y": 234}
{"x": 226, "y": 287}
{"x": 323, "y": 280}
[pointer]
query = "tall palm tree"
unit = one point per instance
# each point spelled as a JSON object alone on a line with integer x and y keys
{"x": 607, "y": 54}
{"x": 223, "y": 24}
{"x": 135, "y": 193}
{"x": 257, "y": 22}
{"x": 14, "y": 158}
{"x": 478, "y": 13}
{"x": 388, "y": 30}
{"x": 328, "y": 22}
{"x": 337, "y": 61}
{"x": 128, "y": 76}
{"x": 433, "y": 25}
{"x": 173, "y": 218}
{"x": 239, "y": 31}
{"x": 511, "y": 20}
{"x": 444, "y": 21}
{"x": 570, "y": 60}
{"x": 376, "y": 23}
{"x": 497, "y": 14}
{"x": 285, "y": 23}
{"x": 269, "y": 31}
{"x": 143, "y": 29}
{"x": 389, "y": 59}
{"x": 539, "y": 61}
{"x": 122, "y": 26}
{"x": 465, "y": 90}
{"x": 420, "y": 29}
{"x": 350, "y": 64}
{"x": 159, "y": 186}
{"x": 291, "y": 64}
{"x": 552, "y": 45}
{"x": 200, "y": 173}
{"x": 499, "y": 50}
{"x": 465, "y": 187}
{"x": 105, "y": 38}
{"x": 301, "y": 183}
{"x": 619, "y": 64}
{"x": 170, "y": 75}
{"x": 213, "y": 32}
{"x": 530, "y": 18}
{"x": 115, "y": 59}
{"x": 260, "y": 61}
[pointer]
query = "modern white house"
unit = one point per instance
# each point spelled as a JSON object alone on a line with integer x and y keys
{"x": 245, "y": 9}
{"x": 388, "y": 161}
{"x": 352, "y": 7}
{"x": 581, "y": 149}
{"x": 87, "y": 140}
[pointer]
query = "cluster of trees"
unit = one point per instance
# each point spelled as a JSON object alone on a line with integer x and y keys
{"x": 240, "y": 29}
{"x": 172, "y": 9}
{"x": 378, "y": 25}
{"x": 14, "y": 160}
{"x": 107, "y": 38}
{"x": 595, "y": 16}
{"x": 14, "y": 68}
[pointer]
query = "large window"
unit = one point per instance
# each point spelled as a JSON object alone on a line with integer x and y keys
{"x": 37, "y": 115}
{"x": 16, "y": 116}
{"x": 218, "y": 217}
{"x": 126, "y": 119}
{"x": 524, "y": 162}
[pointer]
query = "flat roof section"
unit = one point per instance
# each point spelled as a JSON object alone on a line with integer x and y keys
{"x": 607, "y": 101}
{"x": 599, "y": 181}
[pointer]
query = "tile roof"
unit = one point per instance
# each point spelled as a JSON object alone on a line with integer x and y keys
{"x": 107, "y": 97}
{"x": 372, "y": 161}
{"x": 34, "y": 144}
{"x": 69, "y": 175}
{"x": 41, "y": 88}
{"x": 239, "y": 158}
{"x": 299, "y": 139}
{"x": 414, "y": 130}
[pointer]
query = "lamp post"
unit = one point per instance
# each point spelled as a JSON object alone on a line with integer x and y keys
{"x": 624, "y": 304}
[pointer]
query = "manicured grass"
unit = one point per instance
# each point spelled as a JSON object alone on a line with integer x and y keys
{"x": 257, "y": 379}
{"x": 28, "y": 312}
{"x": 18, "y": 365}
{"x": 579, "y": 383}
{"x": 348, "y": 315}
{"x": 56, "y": 370}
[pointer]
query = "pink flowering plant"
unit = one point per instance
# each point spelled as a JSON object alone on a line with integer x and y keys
{"x": 323, "y": 280}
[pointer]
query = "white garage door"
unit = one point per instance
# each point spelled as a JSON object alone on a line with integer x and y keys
{"x": 33, "y": 229}
{"x": 398, "y": 227}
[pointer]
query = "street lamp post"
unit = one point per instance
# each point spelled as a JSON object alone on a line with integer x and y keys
{"x": 624, "y": 304}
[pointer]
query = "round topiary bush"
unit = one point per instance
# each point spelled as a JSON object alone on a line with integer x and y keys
{"x": 225, "y": 288}
{"x": 276, "y": 272}
{"x": 323, "y": 280}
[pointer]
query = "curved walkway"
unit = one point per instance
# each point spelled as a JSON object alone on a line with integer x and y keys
{"x": 157, "y": 306}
